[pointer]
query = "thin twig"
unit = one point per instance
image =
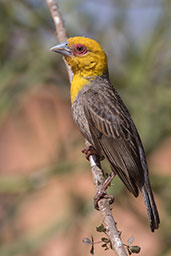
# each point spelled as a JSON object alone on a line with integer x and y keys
{"x": 60, "y": 29}
{"x": 97, "y": 172}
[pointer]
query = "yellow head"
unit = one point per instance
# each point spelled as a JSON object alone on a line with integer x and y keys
{"x": 85, "y": 56}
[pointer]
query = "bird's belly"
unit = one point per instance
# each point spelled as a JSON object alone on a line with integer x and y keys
{"x": 80, "y": 119}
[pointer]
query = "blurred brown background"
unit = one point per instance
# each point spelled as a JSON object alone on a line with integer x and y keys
{"x": 46, "y": 188}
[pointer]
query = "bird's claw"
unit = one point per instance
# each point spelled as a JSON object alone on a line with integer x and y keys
{"x": 90, "y": 150}
{"x": 101, "y": 195}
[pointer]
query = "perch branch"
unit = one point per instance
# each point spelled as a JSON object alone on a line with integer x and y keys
{"x": 98, "y": 177}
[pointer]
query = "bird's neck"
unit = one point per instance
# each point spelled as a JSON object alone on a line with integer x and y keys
{"x": 78, "y": 82}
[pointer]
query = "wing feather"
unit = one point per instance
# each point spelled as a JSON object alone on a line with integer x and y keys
{"x": 113, "y": 132}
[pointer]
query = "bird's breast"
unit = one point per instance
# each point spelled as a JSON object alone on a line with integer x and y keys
{"x": 80, "y": 118}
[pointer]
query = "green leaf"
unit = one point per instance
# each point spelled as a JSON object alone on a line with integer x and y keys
{"x": 92, "y": 250}
{"x": 101, "y": 228}
{"x": 86, "y": 240}
{"x": 135, "y": 249}
{"x": 130, "y": 240}
{"x": 104, "y": 245}
{"x": 105, "y": 240}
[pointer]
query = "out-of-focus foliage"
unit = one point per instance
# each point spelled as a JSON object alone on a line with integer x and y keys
{"x": 136, "y": 36}
{"x": 139, "y": 61}
{"x": 26, "y": 32}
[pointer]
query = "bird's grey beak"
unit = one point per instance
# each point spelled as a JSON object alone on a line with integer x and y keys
{"x": 62, "y": 49}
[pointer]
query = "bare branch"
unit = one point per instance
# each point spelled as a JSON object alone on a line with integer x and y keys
{"x": 60, "y": 29}
{"x": 104, "y": 207}
{"x": 58, "y": 20}
{"x": 97, "y": 172}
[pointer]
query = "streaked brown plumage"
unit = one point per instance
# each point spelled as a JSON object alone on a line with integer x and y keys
{"x": 105, "y": 122}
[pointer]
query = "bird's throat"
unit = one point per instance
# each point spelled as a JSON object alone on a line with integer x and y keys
{"x": 78, "y": 82}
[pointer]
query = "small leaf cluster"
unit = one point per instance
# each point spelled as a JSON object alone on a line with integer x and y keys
{"x": 132, "y": 248}
{"x": 106, "y": 243}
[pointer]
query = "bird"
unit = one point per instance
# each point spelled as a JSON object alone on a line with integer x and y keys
{"x": 104, "y": 120}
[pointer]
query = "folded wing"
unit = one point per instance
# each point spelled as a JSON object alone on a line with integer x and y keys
{"x": 114, "y": 134}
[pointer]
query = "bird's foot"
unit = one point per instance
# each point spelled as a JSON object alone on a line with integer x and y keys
{"x": 102, "y": 194}
{"x": 90, "y": 150}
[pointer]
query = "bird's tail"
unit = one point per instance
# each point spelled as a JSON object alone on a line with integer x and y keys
{"x": 150, "y": 204}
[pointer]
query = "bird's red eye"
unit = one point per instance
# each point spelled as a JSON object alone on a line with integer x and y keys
{"x": 80, "y": 49}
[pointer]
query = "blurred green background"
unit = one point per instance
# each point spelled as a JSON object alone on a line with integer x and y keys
{"x": 39, "y": 144}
